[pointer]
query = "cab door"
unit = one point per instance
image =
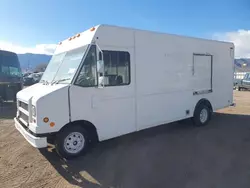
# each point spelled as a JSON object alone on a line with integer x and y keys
{"x": 110, "y": 108}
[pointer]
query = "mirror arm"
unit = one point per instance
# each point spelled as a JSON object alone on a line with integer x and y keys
{"x": 98, "y": 47}
{"x": 98, "y": 73}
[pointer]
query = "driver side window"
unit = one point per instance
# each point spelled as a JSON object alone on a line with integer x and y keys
{"x": 116, "y": 67}
{"x": 87, "y": 76}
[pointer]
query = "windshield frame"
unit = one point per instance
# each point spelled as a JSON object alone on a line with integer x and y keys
{"x": 53, "y": 79}
{"x": 74, "y": 81}
{"x": 81, "y": 64}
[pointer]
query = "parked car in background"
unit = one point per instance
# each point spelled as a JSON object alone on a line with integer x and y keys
{"x": 244, "y": 83}
{"x": 28, "y": 80}
{"x": 26, "y": 74}
{"x": 32, "y": 78}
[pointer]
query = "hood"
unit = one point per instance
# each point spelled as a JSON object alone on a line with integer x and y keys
{"x": 37, "y": 91}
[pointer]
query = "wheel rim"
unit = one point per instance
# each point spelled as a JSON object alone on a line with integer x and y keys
{"x": 203, "y": 115}
{"x": 74, "y": 142}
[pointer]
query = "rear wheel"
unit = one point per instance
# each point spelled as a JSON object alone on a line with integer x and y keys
{"x": 202, "y": 115}
{"x": 72, "y": 142}
{"x": 239, "y": 88}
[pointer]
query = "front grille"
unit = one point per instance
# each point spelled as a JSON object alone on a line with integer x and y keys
{"x": 23, "y": 116}
{"x": 23, "y": 105}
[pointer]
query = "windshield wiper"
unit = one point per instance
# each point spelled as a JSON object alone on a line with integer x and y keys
{"x": 60, "y": 80}
{"x": 44, "y": 82}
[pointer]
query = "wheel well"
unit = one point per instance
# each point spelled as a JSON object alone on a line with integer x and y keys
{"x": 89, "y": 127}
{"x": 205, "y": 102}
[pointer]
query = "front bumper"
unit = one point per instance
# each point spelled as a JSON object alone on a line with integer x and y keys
{"x": 38, "y": 142}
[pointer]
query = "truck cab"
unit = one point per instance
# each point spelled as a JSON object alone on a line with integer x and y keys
{"x": 71, "y": 97}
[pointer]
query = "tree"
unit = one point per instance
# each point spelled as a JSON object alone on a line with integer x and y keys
{"x": 40, "y": 67}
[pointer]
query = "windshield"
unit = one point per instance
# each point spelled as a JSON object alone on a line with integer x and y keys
{"x": 9, "y": 65}
{"x": 63, "y": 66}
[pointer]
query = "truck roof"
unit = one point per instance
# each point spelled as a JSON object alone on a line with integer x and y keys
{"x": 9, "y": 58}
{"x": 87, "y": 36}
{"x": 4, "y": 52}
{"x": 164, "y": 33}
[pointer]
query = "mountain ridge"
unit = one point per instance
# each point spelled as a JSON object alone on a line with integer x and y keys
{"x": 30, "y": 61}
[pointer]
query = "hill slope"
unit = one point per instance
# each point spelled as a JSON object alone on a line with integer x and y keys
{"x": 32, "y": 60}
{"x": 242, "y": 65}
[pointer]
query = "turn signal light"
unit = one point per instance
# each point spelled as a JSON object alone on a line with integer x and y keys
{"x": 92, "y": 29}
{"x": 46, "y": 120}
{"x": 52, "y": 124}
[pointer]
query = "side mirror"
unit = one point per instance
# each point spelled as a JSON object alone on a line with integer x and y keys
{"x": 100, "y": 66}
{"x": 100, "y": 71}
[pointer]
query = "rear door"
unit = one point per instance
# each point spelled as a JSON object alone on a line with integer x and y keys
{"x": 202, "y": 73}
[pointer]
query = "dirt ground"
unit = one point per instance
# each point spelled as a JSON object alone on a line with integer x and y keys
{"x": 173, "y": 155}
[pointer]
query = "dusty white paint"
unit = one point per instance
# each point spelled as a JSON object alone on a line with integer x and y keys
{"x": 164, "y": 75}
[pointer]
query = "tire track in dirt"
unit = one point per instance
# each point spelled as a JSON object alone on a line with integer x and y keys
{"x": 13, "y": 178}
{"x": 21, "y": 165}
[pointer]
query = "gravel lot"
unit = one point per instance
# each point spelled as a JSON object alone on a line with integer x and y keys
{"x": 169, "y": 156}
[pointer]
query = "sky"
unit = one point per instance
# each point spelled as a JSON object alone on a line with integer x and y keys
{"x": 37, "y": 26}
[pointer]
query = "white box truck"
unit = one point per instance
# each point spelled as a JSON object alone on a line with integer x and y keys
{"x": 109, "y": 81}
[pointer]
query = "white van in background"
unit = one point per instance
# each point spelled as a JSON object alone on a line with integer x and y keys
{"x": 110, "y": 81}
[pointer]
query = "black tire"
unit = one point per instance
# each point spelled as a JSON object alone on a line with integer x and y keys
{"x": 68, "y": 132}
{"x": 239, "y": 89}
{"x": 197, "y": 120}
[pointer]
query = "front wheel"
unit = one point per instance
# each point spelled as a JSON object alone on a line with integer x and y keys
{"x": 72, "y": 142}
{"x": 202, "y": 115}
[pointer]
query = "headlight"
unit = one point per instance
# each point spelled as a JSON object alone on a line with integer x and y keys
{"x": 33, "y": 111}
